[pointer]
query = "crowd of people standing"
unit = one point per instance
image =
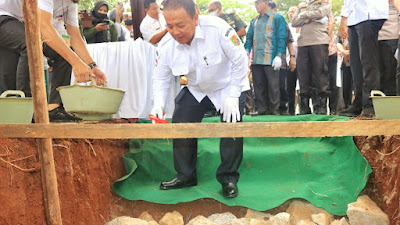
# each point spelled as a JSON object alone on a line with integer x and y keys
{"x": 296, "y": 61}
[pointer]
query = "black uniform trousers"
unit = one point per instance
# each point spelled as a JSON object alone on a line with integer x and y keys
{"x": 291, "y": 82}
{"x": 312, "y": 69}
{"x": 347, "y": 86}
{"x": 284, "y": 98}
{"x": 60, "y": 76}
{"x": 189, "y": 110}
{"x": 14, "y": 68}
{"x": 363, "y": 42}
{"x": 334, "y": 95}
{"x": 266, "y": 89}
{"x": 387, "y": 65}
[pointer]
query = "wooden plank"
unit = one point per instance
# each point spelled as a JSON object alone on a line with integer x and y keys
{"x": 202, "y": 130}
{"x": 45, "y": 148}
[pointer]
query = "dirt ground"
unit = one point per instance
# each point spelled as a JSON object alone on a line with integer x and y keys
{"x": 86, "y": 170}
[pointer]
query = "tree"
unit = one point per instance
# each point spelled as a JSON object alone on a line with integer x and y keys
{"x": 245, "y": 10}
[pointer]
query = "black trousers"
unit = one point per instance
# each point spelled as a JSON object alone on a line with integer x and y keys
{"x": 284, "y": 98}
{"x": 347, "y": 86}
{"x": 312, "y": 69}
{"x": 398, "y": 72}
{"x": 363, "y": 42}
{"x": 266, "y": 89}
{"x": 291, "y": 80}
{"x": 61, "y": 75}
{"x": 387, "y": 65}
{"x": 8, "y": 68}
{"x": 334, "y": 95}
{"x": 188, "y": 110}
{"x": 14, "y": 70}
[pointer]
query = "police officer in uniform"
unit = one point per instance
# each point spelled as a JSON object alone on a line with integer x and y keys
{"x": 209, "y": 54}
{"x": 313, "y": 46}
{"x": 233, "y": 19}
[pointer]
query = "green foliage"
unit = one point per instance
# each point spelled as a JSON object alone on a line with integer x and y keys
{"x": 245, "y": 9}
{"x": 89, "y": 4}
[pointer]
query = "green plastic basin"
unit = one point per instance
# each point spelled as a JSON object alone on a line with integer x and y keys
{"x": 386, "y": 107}
{"x": 91, "y": 103}
{"x": 15, "y": 108}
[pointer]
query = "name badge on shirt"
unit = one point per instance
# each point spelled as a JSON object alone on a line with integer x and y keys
{"x": 67, "y": 39}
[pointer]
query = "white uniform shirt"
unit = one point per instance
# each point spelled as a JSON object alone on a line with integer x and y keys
{"x": 358, "y": 11}
{"x": 150, "y": 27}
{"x": 215, "y": 63}
{"x": 11, "y": 8}
{"x": 65, "y": 8}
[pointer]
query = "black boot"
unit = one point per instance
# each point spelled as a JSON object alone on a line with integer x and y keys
{"x": 305, "y": 106}
{"x": 322, "y": 106}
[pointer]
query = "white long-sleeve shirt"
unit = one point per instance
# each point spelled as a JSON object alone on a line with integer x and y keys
{"x": 215, "y": 63}
{"x": 358, "y": 11}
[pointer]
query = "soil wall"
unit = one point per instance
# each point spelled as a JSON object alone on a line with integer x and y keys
{"x": 86, "y": 170}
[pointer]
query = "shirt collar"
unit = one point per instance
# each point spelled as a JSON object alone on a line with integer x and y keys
{"x": 198, "y": 34}
{"x": 152, "y": 19}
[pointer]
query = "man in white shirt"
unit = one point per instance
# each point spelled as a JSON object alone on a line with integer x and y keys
{"x": 153, "y": 26}
{"x": 364, "y": 19}
{"x": 209, "y": 53}
{"x": 14, "y": 70}
{"x": 82, "y": 63}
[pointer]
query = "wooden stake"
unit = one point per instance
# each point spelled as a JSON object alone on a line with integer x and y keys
{"x": 45, "y": 149}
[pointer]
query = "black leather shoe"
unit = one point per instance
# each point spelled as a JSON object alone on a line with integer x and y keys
{"x": 60, "y": 115}
{"x": 368, "y": 112}
{"x": 351, "y": 111}
{"x": 230, "y": 190}
{"x": 177, "y": 183}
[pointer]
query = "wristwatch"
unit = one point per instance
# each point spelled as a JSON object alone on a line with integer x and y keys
{"x": 293, "y": 56}
{"x": 92, "y": 65}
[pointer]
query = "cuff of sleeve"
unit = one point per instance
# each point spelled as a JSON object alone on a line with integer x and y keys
{"x": 345, "y": 13}
{"x": 159, "y": 101}
{"x": 235, "y": 91}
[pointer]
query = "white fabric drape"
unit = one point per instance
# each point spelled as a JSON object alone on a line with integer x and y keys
{"x": 130, "y": 66}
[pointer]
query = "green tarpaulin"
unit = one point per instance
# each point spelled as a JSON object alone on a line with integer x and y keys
{"x": 329, "y": 172}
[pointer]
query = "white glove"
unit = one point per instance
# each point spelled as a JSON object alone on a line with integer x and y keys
{"x": 230, "y": 110}
{"x": 158, "y": 111}
{"x": 277, "y": 63}
{"x": 323, "y": 20}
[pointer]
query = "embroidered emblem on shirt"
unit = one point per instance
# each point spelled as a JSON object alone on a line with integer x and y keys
{"x": 235, "y": 40}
